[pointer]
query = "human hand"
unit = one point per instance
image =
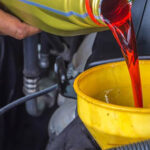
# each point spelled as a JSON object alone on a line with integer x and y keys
{"x": 10, "y": 25}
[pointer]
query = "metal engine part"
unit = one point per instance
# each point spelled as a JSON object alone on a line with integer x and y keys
{"x": 36, "y": 106}
{"x": 137, "y": 146}
{"x": 62, "y": 117}
{"x": 31, "y": 74}
{"x": 44, "y": 61}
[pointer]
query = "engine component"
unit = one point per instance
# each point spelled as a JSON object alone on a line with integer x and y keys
{"x": 137, "y": 146}
{"x": 31, "y": 75}
{"x": 74, "y": 137}
{"x": 44, "y": 60}
{"x": 61, "y": 118}
{"x": 60, "y": 71}
{"x": 27, "y": 98}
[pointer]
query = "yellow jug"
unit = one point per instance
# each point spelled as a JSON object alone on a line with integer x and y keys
{"x": 106, "y": 105}
{"x": 60, "y": 17}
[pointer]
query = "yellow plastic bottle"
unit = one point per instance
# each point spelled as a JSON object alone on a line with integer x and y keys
{"x": 60, "y": 17}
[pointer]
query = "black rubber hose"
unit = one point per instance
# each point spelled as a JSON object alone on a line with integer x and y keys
{"x": 2, "y": 52}
{"x": 27, "y": 98}
{"x": 31, "y": 67}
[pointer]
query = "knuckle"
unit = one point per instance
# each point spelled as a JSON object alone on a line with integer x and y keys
{"x": 20, "y": 36}
{"x": 20, "y": 33}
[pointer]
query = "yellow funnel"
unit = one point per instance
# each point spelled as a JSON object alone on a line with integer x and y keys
{"x": 105, "y": 104}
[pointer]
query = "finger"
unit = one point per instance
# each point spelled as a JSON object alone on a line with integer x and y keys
{"x": 23, "y": 30}
{"x": 10, "y": 25}
{"x": 30, "y": 30}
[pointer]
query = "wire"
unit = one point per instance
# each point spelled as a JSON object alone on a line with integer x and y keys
{"x": 27, "y": 98}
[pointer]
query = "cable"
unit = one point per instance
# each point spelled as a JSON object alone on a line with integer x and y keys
{"x": 27, "y": 98}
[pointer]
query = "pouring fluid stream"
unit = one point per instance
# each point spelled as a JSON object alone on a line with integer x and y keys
{"x": 117, "y": 15}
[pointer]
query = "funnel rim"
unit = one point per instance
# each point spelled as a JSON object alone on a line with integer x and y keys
{"x": 99, "y": 102}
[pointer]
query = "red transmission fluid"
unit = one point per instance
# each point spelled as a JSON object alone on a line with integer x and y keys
{"x": 117, "y": 15}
